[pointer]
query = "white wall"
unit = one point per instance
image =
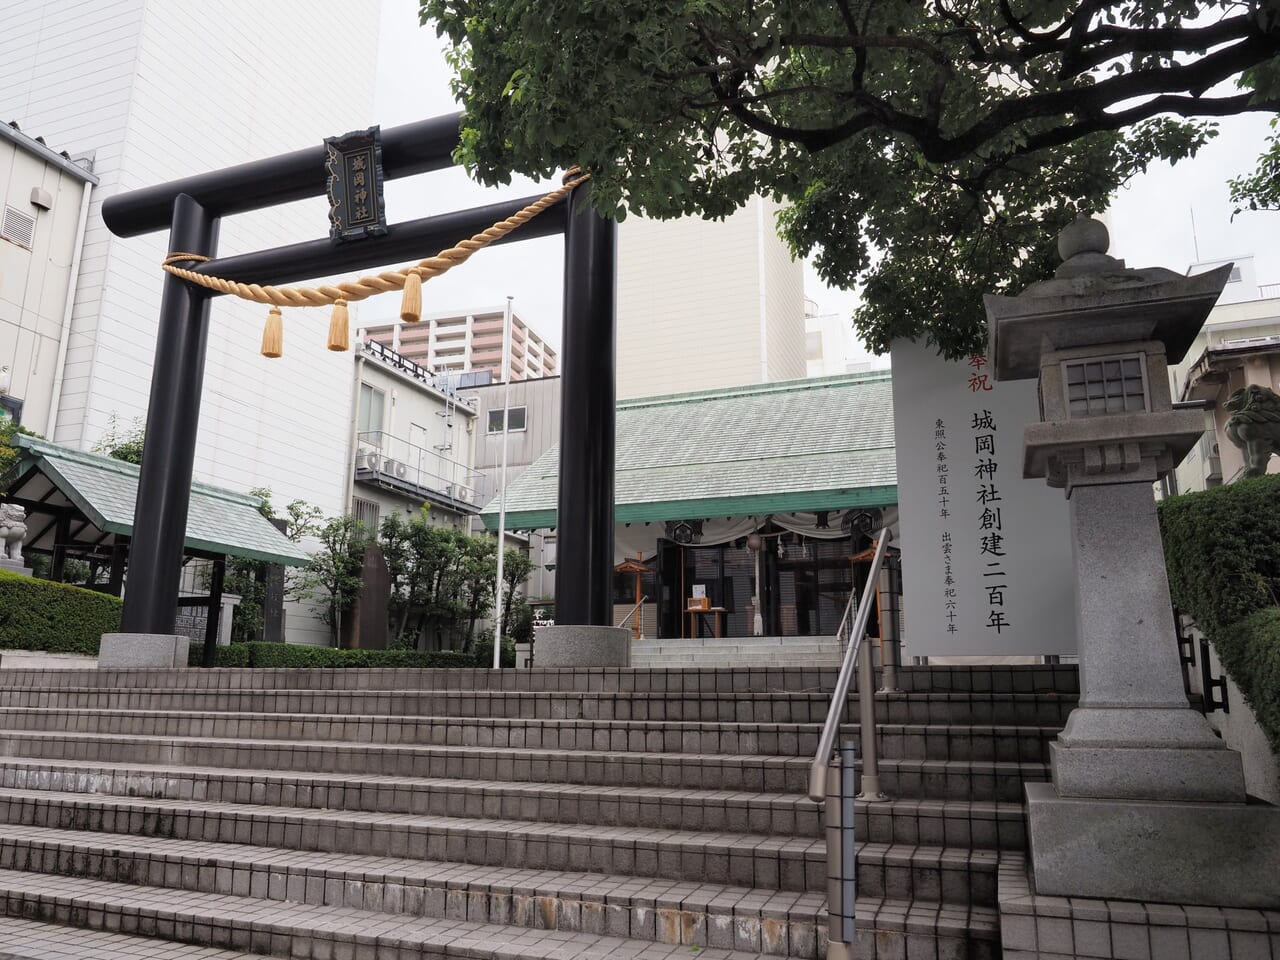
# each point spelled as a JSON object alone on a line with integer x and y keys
{"x": 689, "y": 303}
{"x": 162, "y": 90}
{"x": 34, "y": 282}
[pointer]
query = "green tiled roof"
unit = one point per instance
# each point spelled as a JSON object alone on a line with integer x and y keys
{"x": 818, "y": 444}
{"x": 219, "y": 521}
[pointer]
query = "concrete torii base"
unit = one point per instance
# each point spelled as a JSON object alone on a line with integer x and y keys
{"x": 582, "y": 646}
{"x": 142, "y": 650}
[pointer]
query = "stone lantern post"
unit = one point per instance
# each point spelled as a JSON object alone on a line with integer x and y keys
{"x": 1146, "y": 802}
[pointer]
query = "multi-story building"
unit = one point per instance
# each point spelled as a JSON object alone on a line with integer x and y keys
{"x": 704, "y": 305}
{"x": 470, "y": 342}
{"x": 1238, "y": 346}
{"x": 46, "y": 196}
{"x": 411, "y": 443}
{"x": 162, "y": 91}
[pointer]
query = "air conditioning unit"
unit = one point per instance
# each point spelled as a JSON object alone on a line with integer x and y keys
{"x": 394, "y": 468}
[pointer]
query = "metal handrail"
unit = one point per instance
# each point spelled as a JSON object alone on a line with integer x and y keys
{"x": 827, "y": 742}
{"x": 632, "y": 611}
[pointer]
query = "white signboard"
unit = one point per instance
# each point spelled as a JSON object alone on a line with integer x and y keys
{"x": 986, "y": 553}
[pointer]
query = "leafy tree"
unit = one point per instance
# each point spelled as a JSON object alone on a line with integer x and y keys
{"x": 123, "y": 442}
{"x": 516, "y": 566}
{"x": 929, "y": 151}
{"x": 248, "y": 578}
{"x": 9, "y": 454}
{"x": 331, "y": 578}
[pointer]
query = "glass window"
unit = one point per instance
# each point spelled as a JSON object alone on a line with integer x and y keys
{"x": 371, "y": 401}
{"x": 516, "y": 419}
{"x": 1108, "y": 386}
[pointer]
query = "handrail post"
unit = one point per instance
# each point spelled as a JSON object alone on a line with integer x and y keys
{"x": 839, "y": 814}
{"x": 889, "y": 653}
{"x": 867, "y": 727}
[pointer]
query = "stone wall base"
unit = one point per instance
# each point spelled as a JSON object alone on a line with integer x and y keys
{"x": 1214, "y": 854}
{"x": 1036, "y": 927}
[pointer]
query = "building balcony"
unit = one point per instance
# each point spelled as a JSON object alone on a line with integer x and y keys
{"x": 396, "y": 465}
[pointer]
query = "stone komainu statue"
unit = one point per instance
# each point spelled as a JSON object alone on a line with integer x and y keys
{"x": 13, "y": 528}
{"x": 1254, "y": 426}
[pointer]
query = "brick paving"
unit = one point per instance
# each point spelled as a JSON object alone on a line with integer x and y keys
{"x": 339, "y": 815}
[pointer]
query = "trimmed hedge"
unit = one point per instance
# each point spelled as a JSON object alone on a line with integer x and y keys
{"x": 1250, "y": 650}
{"x": 302, "y": 655}
{"x": 1222, "y": 549}
{"x": 1222, "y": 552}
{"x": 43, "y": 615}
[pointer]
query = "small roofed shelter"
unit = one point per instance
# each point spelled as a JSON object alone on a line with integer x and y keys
{"x": 807, "y": 466}
{"x": 80, "y": 506}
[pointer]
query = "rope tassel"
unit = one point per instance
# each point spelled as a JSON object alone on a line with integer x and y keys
{"x": 273, "y": 334}
{"x": 339, "y": 326}
{"x": 411, "y": 303}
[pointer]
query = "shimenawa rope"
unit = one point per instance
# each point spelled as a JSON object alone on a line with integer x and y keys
{"x": 408, "y": 278}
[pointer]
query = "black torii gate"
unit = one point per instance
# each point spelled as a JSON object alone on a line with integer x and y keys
{"x": 191, "y": 210}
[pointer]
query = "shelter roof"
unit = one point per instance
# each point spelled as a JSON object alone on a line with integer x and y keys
{"x": 824, "y": 443}
{"x": 100, "y": 492}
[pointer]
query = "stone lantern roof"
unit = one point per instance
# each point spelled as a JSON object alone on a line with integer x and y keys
{"x": 1095, "y": 299}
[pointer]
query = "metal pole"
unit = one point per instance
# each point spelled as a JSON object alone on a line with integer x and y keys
{"x": 839, "y": 815}
{"x": 502, "y": 484}
{"x": 164, "y": 483}
{"x": 584, "y": 561}
{"x": 867, "y": 726}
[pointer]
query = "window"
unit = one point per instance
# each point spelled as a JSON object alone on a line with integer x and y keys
{"x": 370, "y": 420}
{"x": 366, "y": 511}
{"x": 1113, "y": 385}
{"x": 515, "y": 421}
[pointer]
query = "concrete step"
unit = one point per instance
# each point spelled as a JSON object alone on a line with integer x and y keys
{"x": 382, "y": 881}
{"x": 982, "y": 824}
{"x": 917, "y": 741}
{"x": 283, "y": 929}
{"x": 939, "y": 779}
{"x": 1022, "y": 709}
{"x": 787, "y": 863}
{"x": 1062, "y": 678}
{"x": 328, "y": 932}
{"x": 32, "y": 940}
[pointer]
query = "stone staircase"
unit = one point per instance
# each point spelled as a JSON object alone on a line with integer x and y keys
{"x": 649, "y": 653}
{"x": 345, "y": 815}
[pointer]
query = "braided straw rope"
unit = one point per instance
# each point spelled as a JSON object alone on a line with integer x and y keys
{"x": 369, "y": 286}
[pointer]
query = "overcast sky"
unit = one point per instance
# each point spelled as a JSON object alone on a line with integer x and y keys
{"x": 1151, "y": 220}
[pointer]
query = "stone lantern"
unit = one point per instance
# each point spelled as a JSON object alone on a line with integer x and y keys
{"x": 1146, "y": 802}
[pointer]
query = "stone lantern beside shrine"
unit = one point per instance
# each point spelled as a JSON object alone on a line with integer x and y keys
{"x": 1145, "y": 803}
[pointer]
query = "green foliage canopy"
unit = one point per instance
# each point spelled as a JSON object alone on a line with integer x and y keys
{"x": 927, "y": 151}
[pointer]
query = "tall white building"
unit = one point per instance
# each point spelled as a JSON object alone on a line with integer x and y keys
{"x": 45, "y": 210}
{"x": 705, "y": 304}
{"x": 159, "y": 91}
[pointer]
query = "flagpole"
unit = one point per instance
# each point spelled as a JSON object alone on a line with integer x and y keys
{"x": 502, "y": 484}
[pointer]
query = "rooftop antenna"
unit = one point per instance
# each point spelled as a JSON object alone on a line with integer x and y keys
{"x": 1195, "y": 240}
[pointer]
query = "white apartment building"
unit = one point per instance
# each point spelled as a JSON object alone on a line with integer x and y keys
{"x": 45, "y": 211}
{"x": 412, "y": 443}
{"x": 158, "y": 91}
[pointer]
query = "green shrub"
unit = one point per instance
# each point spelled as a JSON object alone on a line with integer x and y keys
{"x": 43, "y": 615}
{"x": 1222, "y": 552}
{"x": 483, "y": 651}
{"x": 1250, "y": 653}
{"x": 302, "y": 655}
